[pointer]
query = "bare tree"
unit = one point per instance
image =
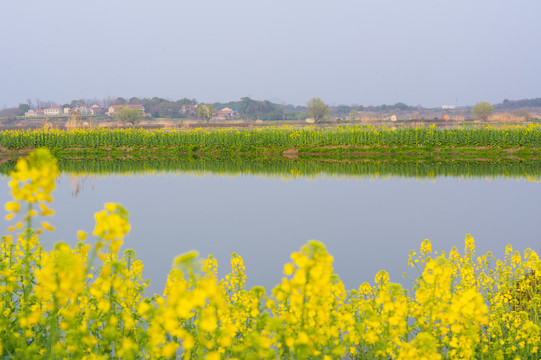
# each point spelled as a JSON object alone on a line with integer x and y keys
{"x": 108, "y": 101}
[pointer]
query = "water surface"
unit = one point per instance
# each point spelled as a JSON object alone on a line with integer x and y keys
{"x": 367, "y": 222}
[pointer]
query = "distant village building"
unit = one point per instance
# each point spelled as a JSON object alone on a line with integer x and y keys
{"x": 53, "y": 111}
{"x": 96, "y": 110}
{"x": 448, "y": 107}
{"x": 227, "y": 113}
{"x": 67, "y": 111}
{"x": 114, "y": 108}
{"x": 82, "y": 110}
{"x": 188, "y": 108}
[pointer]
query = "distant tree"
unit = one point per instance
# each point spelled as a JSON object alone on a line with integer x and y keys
{"x": 317, "y": 109}
{"x": 159, "y": 107}
{"x": 75, "y": 103}
{"x": 482, "y": 110}
{"x": 120, "y": 101}
{"x": 175, "y": 114}
{"x": 205, "y": 111}
{"x": 9, "y": 113}
{"x": 186, "y": 101}
{"x": 254, "y": 109}
{"x": 22, "y": 109}
{"x": 342, "y": 110}
{"x": 108, "y": 101}
{"x": 249, "y": 107}
{"x": 134, "y": 101}
{"x": 128, "y": 115}
{"x": 354, "y": 114}
{"x": 517, "y": 104}
{"x": 47, "y": 104}
{"x": 401, "y": 106}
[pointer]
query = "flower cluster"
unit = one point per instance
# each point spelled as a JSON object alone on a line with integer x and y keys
{"x": 112, "y": 225}
{"x": 33, "y": 178}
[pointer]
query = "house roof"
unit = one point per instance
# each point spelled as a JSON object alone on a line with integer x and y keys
{"x": 128, "y": 106}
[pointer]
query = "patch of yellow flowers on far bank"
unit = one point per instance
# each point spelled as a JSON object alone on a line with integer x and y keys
{"x": 88, "y": 302}
{"x": 276, "y": 137}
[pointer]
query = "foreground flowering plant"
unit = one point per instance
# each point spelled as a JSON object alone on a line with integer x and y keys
{"x": 88, "y": 302}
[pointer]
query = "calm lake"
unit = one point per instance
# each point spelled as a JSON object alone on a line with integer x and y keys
{"x": 367, "y": 221}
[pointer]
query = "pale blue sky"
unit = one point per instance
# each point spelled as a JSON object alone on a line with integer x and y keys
{"x": 426, "y": 52}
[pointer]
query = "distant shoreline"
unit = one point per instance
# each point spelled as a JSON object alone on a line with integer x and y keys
{"x": 336, "y": 153}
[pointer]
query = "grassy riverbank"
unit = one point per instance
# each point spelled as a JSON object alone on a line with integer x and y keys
{"x": 339, "y": 143}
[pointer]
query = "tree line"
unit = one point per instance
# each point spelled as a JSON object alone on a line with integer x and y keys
{"x": 246, "y": 107}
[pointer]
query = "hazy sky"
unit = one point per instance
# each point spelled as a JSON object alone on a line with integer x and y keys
{"x": 421, "y": 52}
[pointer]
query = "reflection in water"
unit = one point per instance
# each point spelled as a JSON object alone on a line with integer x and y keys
{"x": 288, "y": 169}
{"x": 83, "y": 170}
{"x": 77, "y": 182}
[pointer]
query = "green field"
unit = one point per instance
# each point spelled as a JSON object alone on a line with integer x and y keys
{"x": 277, "y": 138}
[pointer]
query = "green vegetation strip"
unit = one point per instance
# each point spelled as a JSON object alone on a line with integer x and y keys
{"x": 276, "y": 138}
{"x": 282, "y": 167}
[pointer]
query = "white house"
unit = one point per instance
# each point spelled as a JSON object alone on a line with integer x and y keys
{"x": 113, "y": 108}
{"x": 53, "y": 111}
{"x": 82, "y": 109}
{"x": 94, "y": 109}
